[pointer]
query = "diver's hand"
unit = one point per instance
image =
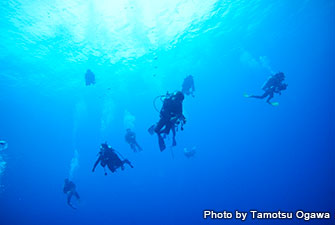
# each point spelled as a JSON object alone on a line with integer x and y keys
{"x": 93, "y": 170}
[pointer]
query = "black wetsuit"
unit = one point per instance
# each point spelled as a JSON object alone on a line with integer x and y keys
{"x": 111, "y": 159}
{"x": 170, "y": 114}
{"x": 273, "y": 85}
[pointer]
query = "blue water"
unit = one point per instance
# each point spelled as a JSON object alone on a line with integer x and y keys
{"x": 250, "y": 155}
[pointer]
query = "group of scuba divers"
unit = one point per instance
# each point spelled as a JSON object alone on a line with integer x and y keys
{"x": 171, "y": 118}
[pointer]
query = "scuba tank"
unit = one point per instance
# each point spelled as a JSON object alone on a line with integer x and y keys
{"x": 163, "y": 98}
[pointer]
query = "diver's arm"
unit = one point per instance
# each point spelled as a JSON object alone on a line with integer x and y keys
{"x": 96, "y": 163}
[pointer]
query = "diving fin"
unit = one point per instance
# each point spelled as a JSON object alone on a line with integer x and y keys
{"x": 161, "y": 143}
{"x": 246, "y": 95}
{"x": 275, "y": 103}
{"x": 174, "y": 143}
{"x": 151, "y": 129}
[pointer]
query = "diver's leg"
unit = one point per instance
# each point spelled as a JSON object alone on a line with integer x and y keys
{"x": 168, "y": 127}
{"x": 161, "y": 123}
{"x": 270, "y": 97}
{"x": 69, "y": 196}
{"x": 128, "y": 162}
{"x": 132, "y": 146}
{"x": 138, "y": 146}
{"x": 76, "y": 195}
{"x": 105, "y": 171}
{"x": 161, "y": 142}
{"x": 261, "y": 97}
{"x": 117, "y": 162}
{"x": 111, "y": 167}
{"x": 151, "y": 129}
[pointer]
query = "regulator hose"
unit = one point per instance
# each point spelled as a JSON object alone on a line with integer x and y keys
{"x": 155, "y": 99}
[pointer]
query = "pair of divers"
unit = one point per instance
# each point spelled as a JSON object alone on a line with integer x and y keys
{"x": 110, "y": 157}
{"x": 107, "y": 156}
{"x": 273, "y": 85}
{"x": 171, "y": 115}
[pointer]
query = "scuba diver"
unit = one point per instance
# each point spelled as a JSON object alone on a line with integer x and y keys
{"x": 188, "y": 86}
{"x": 171, "y": 115}
{"x": 3, "y": 145}
{"x": 273, "y": 85}
{"x": 70, "y": 190}
{"x": 89, "y": 77}
{"x": 108, "y": 156}
{"x": 131, "y": 140}
{"x": 190, "y": 153}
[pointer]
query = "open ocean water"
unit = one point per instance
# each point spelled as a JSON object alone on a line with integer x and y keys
{"x": 249, "y": 155}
